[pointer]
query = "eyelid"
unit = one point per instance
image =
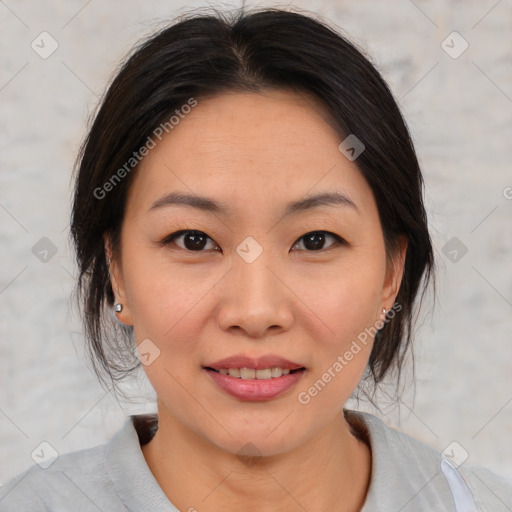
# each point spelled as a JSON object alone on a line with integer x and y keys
{"x": 169, "y": 238}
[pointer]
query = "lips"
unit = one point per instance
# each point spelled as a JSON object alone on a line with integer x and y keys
{"x": 255, "y": 379}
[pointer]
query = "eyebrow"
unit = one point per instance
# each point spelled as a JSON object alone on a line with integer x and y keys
{"x": 210, "y": 205}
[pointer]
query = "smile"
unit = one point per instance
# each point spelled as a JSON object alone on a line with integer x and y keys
{"x": 252, "y": 373}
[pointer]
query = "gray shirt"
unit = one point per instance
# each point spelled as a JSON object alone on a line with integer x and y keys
{"x": 407, "y": 476}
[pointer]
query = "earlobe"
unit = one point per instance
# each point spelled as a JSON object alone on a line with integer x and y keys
{"x": 121, "y": 309}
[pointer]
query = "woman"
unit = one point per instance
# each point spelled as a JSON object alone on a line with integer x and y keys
{"x": 249, "y": 206}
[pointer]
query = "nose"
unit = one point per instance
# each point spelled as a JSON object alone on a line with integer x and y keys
{"x": 255, "y": 300}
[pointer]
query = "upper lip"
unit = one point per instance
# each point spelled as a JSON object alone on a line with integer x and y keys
{"x": 257, "y": 363}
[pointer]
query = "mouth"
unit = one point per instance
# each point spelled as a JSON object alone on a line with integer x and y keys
{"x": 255, "y": 379}
{"x": 252, "y": 373}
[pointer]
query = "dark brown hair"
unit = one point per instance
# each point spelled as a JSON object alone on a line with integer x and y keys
{"x": 205, "y": 55}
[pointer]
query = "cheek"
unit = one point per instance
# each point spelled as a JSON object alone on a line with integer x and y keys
{"x": 346, "y": 305}
{"x": 164, "y": 299}
{"x": 343, "y": 341}
{"x": 346, "y": 299}
{"x": 168, "y": 308}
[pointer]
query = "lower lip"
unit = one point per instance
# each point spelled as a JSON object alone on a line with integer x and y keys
{"x": 255, "y": 390}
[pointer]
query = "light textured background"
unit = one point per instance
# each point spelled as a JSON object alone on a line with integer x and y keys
{"x": 460, "y": 113}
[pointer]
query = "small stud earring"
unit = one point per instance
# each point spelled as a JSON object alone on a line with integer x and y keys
{"x": 118, "y": 307}
{"x": 384, "y": 310}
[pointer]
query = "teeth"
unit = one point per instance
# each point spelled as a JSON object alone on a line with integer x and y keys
{"x": 251, "y": 373}
{"x": 264, "y": 374}
{"x": 276, "y": 372}
{"x": 247, "y": 373}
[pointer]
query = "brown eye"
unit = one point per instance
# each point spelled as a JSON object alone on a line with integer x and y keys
{"x": 315, "y": 240}
{"x": 190, "y": 240}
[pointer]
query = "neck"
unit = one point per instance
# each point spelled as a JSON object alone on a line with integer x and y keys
{"x": 330, "y": 471}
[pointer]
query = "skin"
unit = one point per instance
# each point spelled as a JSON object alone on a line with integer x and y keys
{"x": 256, "y": 152}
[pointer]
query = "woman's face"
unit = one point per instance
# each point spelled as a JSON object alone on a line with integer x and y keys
{"x": 251, "y": 284}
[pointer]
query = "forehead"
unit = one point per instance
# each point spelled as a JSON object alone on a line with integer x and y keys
{"x": 250, "y": 150}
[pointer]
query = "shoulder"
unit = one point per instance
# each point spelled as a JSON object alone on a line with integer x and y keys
{"x": 79, "y": 478}
{"x": 76, "y": 478}
{"x": 113, "y": 477}
{"x": 490, "y": 491}
{"x": 410, "y": 475}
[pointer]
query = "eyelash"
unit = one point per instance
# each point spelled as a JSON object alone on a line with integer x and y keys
{"x": 170, "y": 238}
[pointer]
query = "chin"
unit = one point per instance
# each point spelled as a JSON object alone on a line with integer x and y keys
{"x": 256, "y": 437}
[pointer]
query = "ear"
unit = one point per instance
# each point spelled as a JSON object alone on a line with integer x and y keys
{"x": 117, "y": 282}
{"x": 394, "y": 274}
